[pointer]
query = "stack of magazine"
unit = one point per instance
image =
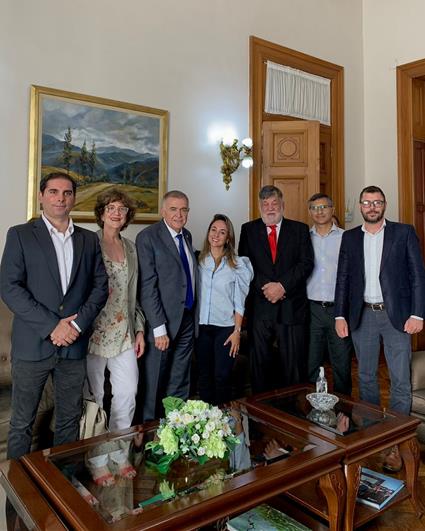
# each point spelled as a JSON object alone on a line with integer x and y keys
{"x": 377, "y": 489}
{"x": 265, "y": 518}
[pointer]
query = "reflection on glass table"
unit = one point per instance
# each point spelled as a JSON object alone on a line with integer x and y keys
{"x": 116, "y": 479}
{"x": 345, "y": 418}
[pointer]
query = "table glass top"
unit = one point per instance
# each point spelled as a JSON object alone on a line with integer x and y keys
{"x": 116, "y": 480}
{"x": 345, "y": 418}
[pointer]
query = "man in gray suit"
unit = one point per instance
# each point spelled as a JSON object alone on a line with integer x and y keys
{"x": 53, "y": 279}
{"x": 168, "y": 280}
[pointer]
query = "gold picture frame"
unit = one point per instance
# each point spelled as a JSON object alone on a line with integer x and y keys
{"x": 101, "y": 143}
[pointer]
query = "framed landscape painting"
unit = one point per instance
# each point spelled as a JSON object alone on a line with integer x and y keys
{"x": 101, "y": 143}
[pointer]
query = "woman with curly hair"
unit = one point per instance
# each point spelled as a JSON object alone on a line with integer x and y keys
{"x": 118, "y": 336}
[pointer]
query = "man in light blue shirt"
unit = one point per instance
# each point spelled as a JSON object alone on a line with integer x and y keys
{"x": 326, "y": 239}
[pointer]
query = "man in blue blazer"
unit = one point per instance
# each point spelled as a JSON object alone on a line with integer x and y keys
{"x": 380, "y": 295}
{"x": 53, "y": 279}
{"x": 168, "y": 287}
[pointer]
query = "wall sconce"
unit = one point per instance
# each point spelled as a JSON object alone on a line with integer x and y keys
{"x": 233, "y": 156}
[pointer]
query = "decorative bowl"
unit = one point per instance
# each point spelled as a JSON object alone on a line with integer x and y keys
{"x": 322, "y": 401}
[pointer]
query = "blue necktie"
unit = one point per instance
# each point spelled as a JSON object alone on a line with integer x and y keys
{"x": 189, "y": 291}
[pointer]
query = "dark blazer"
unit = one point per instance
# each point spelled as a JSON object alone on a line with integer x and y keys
{"x": 31, "y": 287}
{"x": 402, "y": 275}
{"x": 294, "y": 264}
{"x": 162, "y": 290}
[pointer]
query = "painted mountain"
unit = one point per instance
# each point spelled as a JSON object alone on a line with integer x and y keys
{"x": 113, "y": 165}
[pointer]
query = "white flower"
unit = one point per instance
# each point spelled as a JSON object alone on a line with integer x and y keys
{"x": 201, "y": 450}
{"x": 220, "y": 433}
{"x": 197, "y": 426}
{"x": 205, "y": 434}
{"x": 195, "y": 438}
{"x": 187, "y": 418}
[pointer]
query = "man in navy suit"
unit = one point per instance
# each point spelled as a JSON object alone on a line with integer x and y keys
{"x": 54, "y": 281}
{"x": 380, "y": 295}
{"x": 281, "y": 254}
{"x": 168, "y": 288}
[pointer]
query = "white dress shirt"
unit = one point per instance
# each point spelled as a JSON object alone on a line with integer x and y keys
{"x": 64, "y": 249}
{"x": 373, "y": 243}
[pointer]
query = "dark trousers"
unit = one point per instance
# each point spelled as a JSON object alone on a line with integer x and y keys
{"x": 167, "y": 373}
{"x": 279, "y": 356}
{"x": 374, "y": 326}
{"x": 28, "y": 380}
{"x": 324, "y": 337}
{"x": 214, "y": 364}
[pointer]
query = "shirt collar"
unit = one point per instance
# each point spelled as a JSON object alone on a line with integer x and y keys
{"x": 277, "y": 225}
{"x": 374, "y": 234}
{"x": 54, "y": 230}
{"x": 172, "y": 231}
{"x": 313, "y": 230}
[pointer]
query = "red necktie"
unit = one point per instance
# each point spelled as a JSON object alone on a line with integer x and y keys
{"x": 273, "y": 241}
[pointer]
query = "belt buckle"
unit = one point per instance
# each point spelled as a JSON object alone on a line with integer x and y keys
{"x": 377, "y": 307}
{"x": 323, "y": 304}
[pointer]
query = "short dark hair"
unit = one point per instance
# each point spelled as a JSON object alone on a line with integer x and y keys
{"x": 110, "y": 196}
{"x": 372, "y": 190}
{"x": 319, "y": 195}
{"x": 177, "y": 194}
{"x": 57, "y": 175}
{"x": 268, "y": 191}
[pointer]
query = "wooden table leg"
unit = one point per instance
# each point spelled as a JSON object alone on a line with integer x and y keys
{"x": 409, "y": 451}
{"x": 352, "y": 477}
{"x": 334, "y": 489}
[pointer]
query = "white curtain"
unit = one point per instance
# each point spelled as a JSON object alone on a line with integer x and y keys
{"x": 296, "y": 93}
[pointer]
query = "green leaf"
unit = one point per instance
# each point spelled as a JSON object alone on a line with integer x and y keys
{"x": 172, "y": 402}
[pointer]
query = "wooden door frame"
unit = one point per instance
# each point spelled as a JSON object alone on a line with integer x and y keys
{"x": 406, "y": 189}
{"x": 262, "y": 51}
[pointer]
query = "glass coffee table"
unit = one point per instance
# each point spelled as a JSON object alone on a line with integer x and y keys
{"x": 272, "y": 457}
{"x": 360, "y": 429}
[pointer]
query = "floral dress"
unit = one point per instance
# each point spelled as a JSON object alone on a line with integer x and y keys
{"x": 111, "y": 334}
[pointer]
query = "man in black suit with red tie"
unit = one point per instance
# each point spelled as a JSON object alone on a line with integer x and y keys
{"x": 281, "y": 253}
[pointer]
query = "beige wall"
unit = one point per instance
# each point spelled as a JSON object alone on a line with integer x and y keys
{"x": 393, "y": 35}
{"x": 189, "y": 57}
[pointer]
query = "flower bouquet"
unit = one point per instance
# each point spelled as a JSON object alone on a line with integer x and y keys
{"x": 191, "y": 429}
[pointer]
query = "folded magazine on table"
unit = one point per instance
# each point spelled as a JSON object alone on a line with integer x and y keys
{"x": 265, "y": 518}
{"x": 377, "y": 489}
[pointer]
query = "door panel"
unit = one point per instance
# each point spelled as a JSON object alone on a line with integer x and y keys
{"x": 419, "y": 180}
{"x": 291, "y": 162}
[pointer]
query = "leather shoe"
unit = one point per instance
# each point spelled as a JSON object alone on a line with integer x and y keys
{"x": 392, "y": 462}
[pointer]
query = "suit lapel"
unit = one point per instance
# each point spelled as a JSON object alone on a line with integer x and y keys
{"x": 46, "y": 245}
{"x": 283, "y": 242}
{"x": 359, "y": 250}
{"x": 264, "y": 239}
{"x": 78, "y": 243}
{"x": 388, "y": 243}
{"x": 167, "y": 239}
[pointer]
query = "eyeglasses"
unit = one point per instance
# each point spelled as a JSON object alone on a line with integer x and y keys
{"x": 318, "y": 208}
{"x": 110, "y": 209}
{"x": 376, "y": 203}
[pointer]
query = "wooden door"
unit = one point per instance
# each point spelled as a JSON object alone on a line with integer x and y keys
{"x": 419, "y": 221}
{"x": 291, "y": 162}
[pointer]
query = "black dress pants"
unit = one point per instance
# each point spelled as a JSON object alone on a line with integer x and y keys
{"x": 279, "y": 355}
{"x": 214, "y": 364}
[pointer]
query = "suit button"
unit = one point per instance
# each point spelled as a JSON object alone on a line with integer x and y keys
{"x": 61, "y": 307}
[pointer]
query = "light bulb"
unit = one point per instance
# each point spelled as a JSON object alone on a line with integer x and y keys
{"x": 228, "y": 140}
{"x": 247, "y": 142}
{"x": 247, "y": 162}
